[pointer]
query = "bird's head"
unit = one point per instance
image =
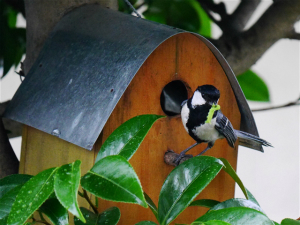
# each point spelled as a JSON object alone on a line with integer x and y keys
{"x": 205, "y": 94}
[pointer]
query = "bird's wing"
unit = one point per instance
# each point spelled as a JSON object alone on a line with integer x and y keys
{"x": 225, "y": 128}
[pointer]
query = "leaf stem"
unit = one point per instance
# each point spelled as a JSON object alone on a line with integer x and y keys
{"x": 40, "y": 221}
{"x": 85, "y": 195}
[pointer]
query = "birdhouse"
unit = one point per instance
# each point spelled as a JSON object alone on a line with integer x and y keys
{"x": 98, "y": 69}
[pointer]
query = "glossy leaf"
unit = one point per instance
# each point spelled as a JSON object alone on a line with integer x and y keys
{"x": 208, "y": 203}
{"x": 211, "y": 222}
{"x": 146, "y": 223}
{"x": 10, "y": 182}
{"x": 9, "y": 188}
{"x": 126, "y": 139}
{"x": 3, "y": 221}
{"x": 151, "y": 205}
{"x": 236, "y": 216}
{"x": 7, "y": 201}
{"x": 237, "y": 202}
{"x": 66, "y": 184}
{"x": 251, "y": 197}
{"x": 183, "y": 184}
{"x": 31, "y": 196}
{"x": 289, "y": 221}
{"x": 228, "y": 169}
{"x": 113, "y": 178}
{"x": 110, "y": 216}
{"x": 55, "y": 212}
{"x": 253, "y": 86}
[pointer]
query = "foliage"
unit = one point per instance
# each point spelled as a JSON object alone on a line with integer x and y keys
{"x": 53, "y": 192}
{"x": 13, "y": 42}
{"x": 253, "y": 86}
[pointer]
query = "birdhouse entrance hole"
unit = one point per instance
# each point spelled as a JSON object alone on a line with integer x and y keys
{"x": 172, "y": 95}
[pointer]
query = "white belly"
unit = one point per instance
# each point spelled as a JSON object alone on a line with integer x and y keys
{"x": 207, "y": 132}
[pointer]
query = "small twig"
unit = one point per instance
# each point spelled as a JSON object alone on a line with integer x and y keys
{"x": 85, "y": 195}
{"x": 297, "y": 102}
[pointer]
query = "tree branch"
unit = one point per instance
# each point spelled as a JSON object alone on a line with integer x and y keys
{"x": 9, "y": 163}
{"x": 244, "y": 49}
{"x": 294, "y": 103}
{"x": 237, "y": 21}
{"x": 294, "y": 35}
{"x": 13, "y": 128}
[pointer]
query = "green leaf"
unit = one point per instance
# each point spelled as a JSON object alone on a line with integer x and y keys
{"x": 55, "y": 212}
{"x": 110, "y": 216}
{"x": 183, "y": 184}
{"x": 113, "y": 178}
{"x": 289, "y": 221}
{"x": 253, "y": 87}
{"x": 146, "y": 223}
{"x": 236, "y": 216}
{"x": 151, "y": 205}
{"x": 208, "y": 203}
{"x": 66, "y": 184}
{"x": 3, "y": 221}
{"x": 237, "y": 202}
{"x": 180, "y": 13}
{"x": 126, "y": 139}
{"x": 251, "y": 197}
{"x": 10, "y": 182}
{"x": 275, "y": 223}
{"x": 205, "y": 22}
{"x": 9, "y": 188}
{"x": 211, "y": 222}
{"x": 31, "y": 196}
{"x": 228, "y": 169}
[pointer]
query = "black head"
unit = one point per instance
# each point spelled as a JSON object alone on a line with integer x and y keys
{"x": 206, "y": 94}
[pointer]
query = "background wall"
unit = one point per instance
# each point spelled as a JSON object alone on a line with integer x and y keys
{"x": 272, "y": 177}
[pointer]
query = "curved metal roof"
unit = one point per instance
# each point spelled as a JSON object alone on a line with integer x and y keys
{"x": 84, "y": 68}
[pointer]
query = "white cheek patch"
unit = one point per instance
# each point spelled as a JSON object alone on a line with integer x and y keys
{"x": 197, "y": 99}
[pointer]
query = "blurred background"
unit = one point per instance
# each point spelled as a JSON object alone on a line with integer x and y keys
{"x": 272, "y": 177}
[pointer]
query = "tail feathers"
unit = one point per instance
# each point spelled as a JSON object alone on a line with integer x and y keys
{"x": 252, "y": 141}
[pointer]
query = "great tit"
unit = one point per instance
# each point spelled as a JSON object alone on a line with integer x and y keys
{"x": 203, "y": 120}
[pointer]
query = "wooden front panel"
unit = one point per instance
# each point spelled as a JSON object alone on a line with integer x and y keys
{"x": 183, "y": 57}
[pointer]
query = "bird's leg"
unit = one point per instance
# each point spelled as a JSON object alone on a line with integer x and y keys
{"x": 209, "y": 146}
{"x": 181, "y": 155}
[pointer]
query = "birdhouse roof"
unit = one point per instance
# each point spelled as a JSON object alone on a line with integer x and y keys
{"x": 84, "y": 68}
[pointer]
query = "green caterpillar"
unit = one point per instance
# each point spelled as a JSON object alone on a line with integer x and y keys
{"x": 211, "y": 112}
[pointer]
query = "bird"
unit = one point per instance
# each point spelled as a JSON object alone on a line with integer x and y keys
{"x": 205, "y": 123}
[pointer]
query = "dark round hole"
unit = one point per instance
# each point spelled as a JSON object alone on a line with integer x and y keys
{"x": 172, "y": 95}
{"x": 40, "y": 65}
{"x": 111, "y": 90}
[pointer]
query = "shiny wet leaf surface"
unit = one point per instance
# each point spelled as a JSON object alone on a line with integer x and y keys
{"x": 183, "y": 184}
{"x": 66, "y": 184}
{"x": 113, "y": 178}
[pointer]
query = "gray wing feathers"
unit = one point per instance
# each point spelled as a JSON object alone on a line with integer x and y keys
{"x": 225, "y": 128}
{"x": 251, "y": 137}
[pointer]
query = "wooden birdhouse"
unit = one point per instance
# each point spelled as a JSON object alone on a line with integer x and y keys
{"x": 98, "y": 69}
